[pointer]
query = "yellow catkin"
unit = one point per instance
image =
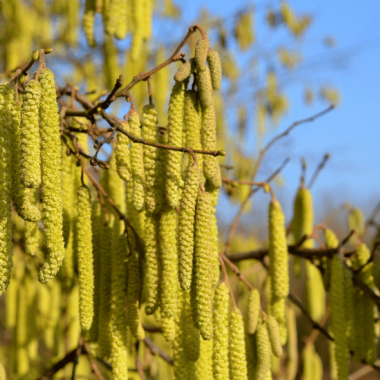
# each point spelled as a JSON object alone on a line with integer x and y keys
{"x": 185, "y": 70}
{"x": 96, "y": 224}
{"x": 30, "y": 136}
{"x": 312, "y": 364}
{"x": 118, "y": 320}
{"x": 168, "y": 328}
{"x": 201, "y": 49}
{"x": 72, "y": 310}
{"x": 205, "y": 87}
{"x": 376, "y": 269}
{"x": 274, "y": 335}
{"x": 191, "y": 333}
{"x": 85, "y": 259}
{"x": 220, "y": 338}
{"x": 3, "y": 375}
{"x": 243, "y": 30}
{"x": 24, "y": 200}
{"x": 116, "y": 186}
{"x": 214, "y": 241}
{"x": 237, "y": 353}
{"x": 183, "y": 368}
{"x": 10, "y": 304}
{"x": 292, "y": 345}
{"x": 203, "y": 265}
{"x": 168, "y": 261}
{"x": 51, "y": 177}
{"x": 278, "y": 252}
{"x": 6, "y": 246}
{"x": 186, "y": 227}
{"x": 32, "y": 238}
{"x": 152, "y": 263}
{"x": 106, "y": 247}
{"x": 173, "y": 158}
{"x": 303, "y": 225}
{"x": 138, "y": 19}
{"x": 215, "y": 65}
{"x": 203, "y": 366}
{"x": 338, "y": 318}
{"x": 122, "y": 26}
{"x": 31, "y": 293}
{"x": 253, "y": 311}
{"x": 110, "y": 64}
{"x": 122, "y": 153}
{"x": 133, "y": 295}
{"x": 356, "y": 221}
{"x": 153, "y": 176}
{"x": 88, "y": 22}
{"x": 264, "y": 351}
{"x": 137, "y": 163}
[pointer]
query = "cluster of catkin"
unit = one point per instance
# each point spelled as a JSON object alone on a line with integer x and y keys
{"x": 120, "y": 17}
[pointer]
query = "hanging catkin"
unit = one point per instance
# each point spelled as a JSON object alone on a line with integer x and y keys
{"x": 138, "y": 35}
{"x": 122, "y": 153}
{"x": 173, "y": 158}
{"x": 51, "y": 177}
{"x": 118, "y": 320}
{"x": 186, "y": 227}
{"x": 6, "y": 246}
{"x": 263, "y": 351}
{"x": 85, "y": 259}
{"x": 133, "y": 294}
{"x": 292, "y": 345}
{"x": 191, "y": 333}
{"x": 185, "y": 70}
{"x": 30, "y": 136}
{"x": 338, "y": 318}
{"x": 88, "y": 22}
{"x": 205, "y": 87}
{"x": 122, "y": 23}
{"x": 201, "y": 48}
{"x": 152, "y": 263}
{"x": 274, "y": 335}
{"x": 278, "y": 251}
{"x": 215, "y": 65}
{"x": 253, "y": 310}
{"x": 24, "y": 200}
{"x": 168, "y": 261}
{"x": 203, "y": 265}
{"x": 137, "y": 163}
{"x": 153, "y": 184}
{"x": 220, "y": 337}
{"x": 237, "y": 353}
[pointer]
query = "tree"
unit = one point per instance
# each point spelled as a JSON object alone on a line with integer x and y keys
{"x": 111, "y": 261}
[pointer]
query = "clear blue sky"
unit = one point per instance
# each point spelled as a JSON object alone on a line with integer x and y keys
{"x": 351, "y": 133}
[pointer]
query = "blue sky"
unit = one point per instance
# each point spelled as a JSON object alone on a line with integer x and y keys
{"x": 350, "y": 133}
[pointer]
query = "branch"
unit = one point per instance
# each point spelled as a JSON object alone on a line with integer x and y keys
{"x": 318, "y": 170}
{"x": 157, "y": 351}
{"x": 70, "y": 357}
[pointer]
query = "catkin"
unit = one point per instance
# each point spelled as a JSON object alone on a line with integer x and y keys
{"x": 263, "y": 351}
{"x": 185, "y": 70}
{"x": 191, "y": 333}
{"x": 338, "y": 318}
{"x": 201, "y": 49}
{"x": 168, "y": 328}
{"x": 122, "y": 20}
{"x": 122, "y": 153}
{"x": 168, "y": 261}
{"x": 220, "y": 337}
{"x": 278, "y": 251}
{"x": 153, "y": 177}
{"x": 85, "y": 259}
{"x": 253, "y": 310}
{"x": 6, "y": 246}
{"x": 88, "y": 22}
{"x": 24, "y": 200}
{"x": 203, "y": 265}
{"x": 205, "y": 87}
{"x": 133, "y": 295}
{"x": 118, "y": 320}
{"x": 173, "y": 158}
{"x": 274, "y": 335}
{"x": 152, "y": 263}
{"x": 30, "y": 136}
{"x": 237, "y": 353}
{"x": 51, "y": 177}
{"x": 137, "y": 163}
{"x": 215, "y": 65}
{"x": 292, "y": 345}
{"x": 186, "y": 227}
{"x": 138, "y": 18}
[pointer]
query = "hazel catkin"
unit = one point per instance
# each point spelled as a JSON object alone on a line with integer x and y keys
{"x": 201, "y": 49}
{"x": 88, "y": 22}
{"x": 122, "y": 153}
{"x": 205, "y": 87}
{"x": 263, "y": 351}
{"x": 215, "y": 65}
{"x": 220, "y": 337}
{"x": 185, "y": 70}
{"x": 186, "y": 227}
{"x": 203, "y": 265}
{"x": 30, "y": 136}
{"x": 253, "y": 310}
{"x": 85, "y": 259}
{"x": 274, "y": 335}
{"x": 51, "y": 177}
{"x": 137, "y": 163}
{"x": 173, "y": 158}
{"x": 237, "y": 354}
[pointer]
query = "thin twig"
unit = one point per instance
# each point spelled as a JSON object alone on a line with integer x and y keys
{"x": 76, "y": 358}
{"x": 138, "y": 362}
{"x": 157, "y": 351}
{"x": 318, "y": 169}
{"x": 226, "y": 280}
{"x": 93, "y": 365}
{"x": 68, "y": 358}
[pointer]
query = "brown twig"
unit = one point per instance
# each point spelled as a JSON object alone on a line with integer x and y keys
{"x": 68, "y": 358}
{"x": 318, "y": 170}
{"x": 138, "y": 362}
{"x": 78, "y": 353}
{"x": 226, "y": 280}
{"x": 314, "y": 334}
{"x": 157, "y": 351}
{"x": 93, "y": 365}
